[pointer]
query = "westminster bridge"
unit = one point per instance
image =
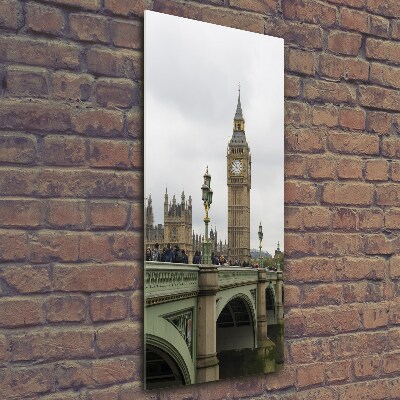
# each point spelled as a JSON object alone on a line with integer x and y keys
{"x": 204, "y": 322}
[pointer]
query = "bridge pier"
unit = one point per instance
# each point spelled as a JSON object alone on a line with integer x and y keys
{"x": 261, "y": 309}
{"x": 279, "y": 296}
{"x": 207, "y": 367}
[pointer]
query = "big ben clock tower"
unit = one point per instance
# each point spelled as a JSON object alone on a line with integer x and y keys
{"x": 239, "y": 184}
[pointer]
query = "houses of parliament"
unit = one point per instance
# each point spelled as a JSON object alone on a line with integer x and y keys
{"x": 177, "y": 227}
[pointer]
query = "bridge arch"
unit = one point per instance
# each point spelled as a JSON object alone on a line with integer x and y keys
{"x": 236, "y": 323}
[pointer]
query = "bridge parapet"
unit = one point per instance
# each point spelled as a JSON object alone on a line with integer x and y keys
{"x": 236, "y": 276}
{"x": 169, "y": 282}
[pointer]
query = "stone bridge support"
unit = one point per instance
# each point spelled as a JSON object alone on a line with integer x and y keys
{"x": 207, "y": 368}
{"x": 279, "y": 297}
{"x": 261, "y": 309}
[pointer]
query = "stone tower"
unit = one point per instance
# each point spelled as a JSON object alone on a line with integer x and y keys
{"x": 239, "y": 185}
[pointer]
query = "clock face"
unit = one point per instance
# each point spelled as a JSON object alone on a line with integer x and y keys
{"x": 236, "y": 167}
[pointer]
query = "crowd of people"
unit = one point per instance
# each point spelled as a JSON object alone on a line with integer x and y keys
{"x": 177, "y": 255}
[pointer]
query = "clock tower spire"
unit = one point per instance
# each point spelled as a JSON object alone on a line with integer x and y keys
{"x": 239, "y": 185}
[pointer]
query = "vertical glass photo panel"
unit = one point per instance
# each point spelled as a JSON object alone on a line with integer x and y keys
{"x": 214, "y": 198}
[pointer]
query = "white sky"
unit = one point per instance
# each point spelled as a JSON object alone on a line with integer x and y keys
{"x": 192, "y": 71}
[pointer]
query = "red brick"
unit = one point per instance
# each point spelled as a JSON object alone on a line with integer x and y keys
{"x": 127, "y": 34}
{"x": 380, "y": 245}
{"x": 226, "y": 17}
{"x": 309, "y": 11}
{"x": 348, "y": 143}
{"x": 108, "y": 153}
{"x": 322, "y": 295}
{"x": 43, "y": 116}
{"x": 382, "y": 50}
{"x": 330, "y": 92}
{"x": 40, "y": 18}
{"x": 394, "y": 271}
{"x": 327, "y": 321}
{"x": 136, "y": 154}
{"x": 134, "y": 122}
{"x": 316, "y": 217}
{"x": 48, "y": 246}
{"x": 117, "y": 93}
{"x": 66, "y": 214}
{"x": 27, "y": 279}
{"x": 376, "y": 170}
{"x": 115, "y": 63}
{"x": 95, "y": 278}
{"x": 301, "y": 61}
{"x": 20, "y": 213}
{"x": 51, "y": 344}
{"x": 374, "y": 390}
{"x": 301, "y": 193}
{"x": 395, "y": 175}
{"x": 304, "y": 140}
{"x": 321, "y": 168}
{"x": 295, "y": 166}
{"x": 336, "y": 67}
{"x": 391, "y": 363}
{"x": 352, "y": 268}
{"x": 352, "y": 118}
{"x": 344, "y": 218}
{"x": 387, "y": 195}
{"x": 325, "y": 115}
{"x": 63, "y": 150}
{"x": 349, "y": 168}
{"x": 311, "y": 350}
{"x": 375, "y": 316}
{"x": 348, "y": 194}
{"x": 260, "y": 6}
{"x": 26, "y": 382}
{"x": 293, "y": 218}
{"x": 385, "y": 75}
{"x": 379, "y": 122}
{"x": 310, "y": 374}
{"x": 4, "y": 349}
{"x": 26, "y": 82}
{"x": 351, "y": 3}
{"x": 337, "y": 371}
{"x": 379, "y": 26}
{"x": 292, "y": 86}
{"x": 108, "y": 308}
{"x": 137, "y": 216}
{"x": 108, "y": 214}
{"x": 370, "y": 219}
{"x": 66, "y": 309}
{"x": 136, "y": 305}
{"x": 390, "y": 8}
{"x": 11, "y": 14}
{"x": 120, "y": 338}
{"x": 392, "y": 218}
{"x": 19, "y": 311}
{"x": 354, "y": 20}
{"x": 49, "y": 54}
{"x": 361, "y": 343}
{"x": 296, "y": 113}
{"x": 344, "y": 43}
{"x": 13, "y": 245}
{"x": 367, "y": 366}
{"x": 93, "y": 5}
{"x": 300, "y": 245}
{"x": 294, "y": 324}
{"x": 391, "y": 147}
{"x": 127, "y": 7}
{"x": 69, "y": 86}
{"x": 292, "y": 296}
{"x": 304, "y": 35}
{"x": 339, "y": 244}
{"x": 309, "y": 270}
{"x": 395, "y": 29}
{"x": 90, "y": 28}
{"x": 17, "y": 148}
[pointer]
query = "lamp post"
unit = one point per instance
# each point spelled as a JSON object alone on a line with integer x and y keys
{"x": 260, "y": 236}
{"x": 206, "y": 196}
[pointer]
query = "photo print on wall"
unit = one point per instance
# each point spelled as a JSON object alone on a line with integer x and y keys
{"x": 214, "y": 216}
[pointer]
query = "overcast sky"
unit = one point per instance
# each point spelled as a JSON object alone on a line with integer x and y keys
{"x": 192, "y": 72}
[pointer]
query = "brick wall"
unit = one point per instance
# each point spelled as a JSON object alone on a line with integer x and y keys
{"x": 71, "y": 205}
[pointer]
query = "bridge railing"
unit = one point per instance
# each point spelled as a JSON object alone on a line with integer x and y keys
{"x": 236, "y": 276}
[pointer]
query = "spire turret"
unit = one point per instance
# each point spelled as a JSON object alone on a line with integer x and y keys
{"x": 238, "y": 122}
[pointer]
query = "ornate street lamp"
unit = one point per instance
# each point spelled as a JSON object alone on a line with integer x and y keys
{"x": 260, "y": 236}
{"x": 206, "y": 196}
